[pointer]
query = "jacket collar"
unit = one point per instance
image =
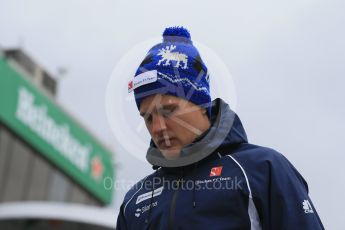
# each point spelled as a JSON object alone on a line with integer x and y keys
{"x": 226, "y": 131}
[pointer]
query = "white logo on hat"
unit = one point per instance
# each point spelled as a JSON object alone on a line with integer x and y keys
{"x": 168, "y": 56}
{"x": 142, "y": 79}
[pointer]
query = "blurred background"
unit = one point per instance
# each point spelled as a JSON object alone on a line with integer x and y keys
{"x": 59, "y": 158}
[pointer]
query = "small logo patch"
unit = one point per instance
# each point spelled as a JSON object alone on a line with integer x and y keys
{"x": 307, "y": 207}
{"x": 148, "y": 195}
{"x": 142, "y": 79}
{"x": 130, "y": 86}
{"x": 137, "y": 213}
{"x": 145, "y": 208}
{"x": 216, "y": 171}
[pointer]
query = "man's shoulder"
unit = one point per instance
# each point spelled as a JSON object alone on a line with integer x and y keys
{"x": 140, "y": 185}
{"x": 252, "y": 151}
{"x": 257, "y": 160}
{"x": 255, "y": 155}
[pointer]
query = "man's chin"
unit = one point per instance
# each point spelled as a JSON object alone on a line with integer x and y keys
{"x": 170, "y": 154}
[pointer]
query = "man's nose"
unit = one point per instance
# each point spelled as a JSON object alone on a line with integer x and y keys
{"x": 158, "y": 124}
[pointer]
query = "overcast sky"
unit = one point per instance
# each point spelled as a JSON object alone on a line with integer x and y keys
{"x": 285, "y": 59}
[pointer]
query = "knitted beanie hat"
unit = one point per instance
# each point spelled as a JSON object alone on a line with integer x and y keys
{"x": 173, "y": 67}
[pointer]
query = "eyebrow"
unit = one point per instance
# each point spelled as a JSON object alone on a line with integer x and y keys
{"x": 170, "y": 106}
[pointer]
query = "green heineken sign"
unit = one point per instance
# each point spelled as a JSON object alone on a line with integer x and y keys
{"x": 39, "y": 121}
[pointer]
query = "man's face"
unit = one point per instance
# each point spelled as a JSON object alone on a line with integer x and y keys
{"x": 173, "y": 122}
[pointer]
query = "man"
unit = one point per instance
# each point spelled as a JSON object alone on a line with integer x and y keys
{"x": 207, "y": 174}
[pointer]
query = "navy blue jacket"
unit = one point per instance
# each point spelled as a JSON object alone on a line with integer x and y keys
{"x": 236, "y": 186}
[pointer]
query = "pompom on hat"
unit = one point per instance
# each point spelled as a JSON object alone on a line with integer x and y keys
{"x": 173, "y": 67}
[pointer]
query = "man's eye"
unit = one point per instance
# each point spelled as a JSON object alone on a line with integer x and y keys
{"x": 167, "y": 112}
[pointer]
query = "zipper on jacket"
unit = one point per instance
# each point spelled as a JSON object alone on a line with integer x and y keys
{"x": 173, "y": 206}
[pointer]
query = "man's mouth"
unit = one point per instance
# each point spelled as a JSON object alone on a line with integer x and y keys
{"x": 165, "y": 142}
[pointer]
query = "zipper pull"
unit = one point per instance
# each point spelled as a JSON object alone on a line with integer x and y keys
{"x": 178, "y": 182}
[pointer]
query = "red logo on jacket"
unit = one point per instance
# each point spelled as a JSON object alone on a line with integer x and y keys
{"x": 216, "y": 171}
